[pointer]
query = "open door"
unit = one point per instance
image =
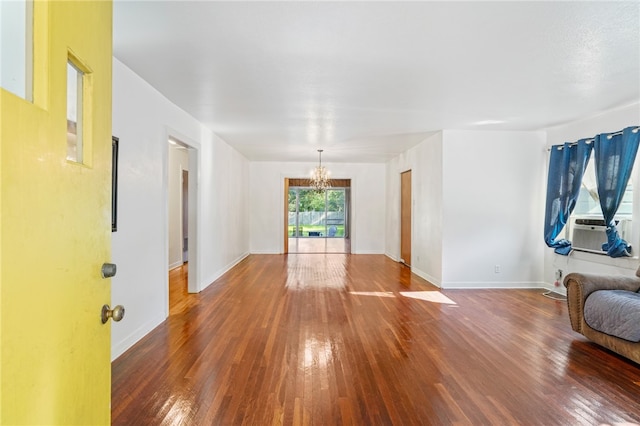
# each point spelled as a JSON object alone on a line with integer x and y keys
{"x": 185, "y": 216}
{"x": 405, "y": 218}
{"x": 56, "y": 223}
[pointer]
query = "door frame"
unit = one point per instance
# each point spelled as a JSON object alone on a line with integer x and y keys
{"x": 285, "y": 247}
{"x": 193, "y": 150}
{"x": 349, "y": 215}
{"x": 407, "y": 262}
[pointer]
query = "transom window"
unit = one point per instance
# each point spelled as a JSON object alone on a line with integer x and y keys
{"x": 16, "y": 47}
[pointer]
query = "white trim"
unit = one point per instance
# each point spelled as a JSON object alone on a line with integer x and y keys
{"x": 224, "y": 270}
{"x": 193, "y": 225}
{"x": 120, "y": 347}
{"x": 165, "y": 220}
{"x": 193, "y": 148}
{"x": 559, "y": 290}
{"x": 492, "y": 285}
{"x": 281, "y": 224}
{"x": 432, "y": 280}
{"x": 175, "y": 265}
{"x": 392, "y": 257}
{"x": 630, "y": 263}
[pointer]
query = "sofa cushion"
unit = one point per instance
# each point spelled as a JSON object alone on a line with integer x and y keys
{"x": 614, "y": 312}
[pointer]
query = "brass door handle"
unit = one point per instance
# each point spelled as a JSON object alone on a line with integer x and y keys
{"x": 116, "y": 313}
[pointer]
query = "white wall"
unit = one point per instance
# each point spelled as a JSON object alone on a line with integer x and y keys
{"x": 425, "y": 163}
{"x": 493, "y": 208}
{"x": 266, "y": 192}
{"x": 144, "y": 120}
{"x": 177, "y": 162}
{"x": 225, "y": 208}
{"x": 608, "y": 121}
{"x": 477, "y": 203}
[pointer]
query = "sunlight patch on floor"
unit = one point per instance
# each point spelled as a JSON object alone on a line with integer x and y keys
{"x": 429, "y": 296}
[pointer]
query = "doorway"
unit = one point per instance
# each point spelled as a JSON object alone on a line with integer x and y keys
{"x": 182, "y": 164}
{"x": 185, "y": 216}
{"x": 405, "y": 218}
{"x": 317, "y": 222}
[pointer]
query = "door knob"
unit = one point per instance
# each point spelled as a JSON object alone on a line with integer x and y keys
{"x": 116, "y": 313}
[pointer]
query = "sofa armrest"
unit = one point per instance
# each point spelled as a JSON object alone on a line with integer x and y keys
{"x": 580, "y": 286}
{"x": 593, "y": 282}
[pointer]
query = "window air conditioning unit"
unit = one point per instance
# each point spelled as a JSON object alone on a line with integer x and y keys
{"x": 589, "y": 234}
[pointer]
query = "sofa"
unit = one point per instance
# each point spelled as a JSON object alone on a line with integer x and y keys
{"x": 606, "y": 310}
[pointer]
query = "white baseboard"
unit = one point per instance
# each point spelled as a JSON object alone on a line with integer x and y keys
{"x": 492, "y": 285}
{"x": 392, "y": 257}
{"x": 118, "y": 348}
{"x": 559, "y": 290}
{"x": 175, "y": 265}
{"x": 208, "y": 281}
{"x": 424, "y": 275}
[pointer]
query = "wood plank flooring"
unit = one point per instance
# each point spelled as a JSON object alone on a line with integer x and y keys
{"x": 357, "y": 339}
{"x": 319, "y": 245}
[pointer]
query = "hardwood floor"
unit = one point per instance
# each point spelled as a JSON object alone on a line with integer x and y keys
{"x": 357, "y": 339}
{"x": 319, "y": 245}
{"x": 180, "y": 301}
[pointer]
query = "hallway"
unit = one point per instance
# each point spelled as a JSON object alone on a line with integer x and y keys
{"x": 358, "y": 339}
{"x": 179, "y": 298}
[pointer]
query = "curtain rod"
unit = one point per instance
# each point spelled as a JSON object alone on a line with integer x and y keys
{"x": 588, "y": 141}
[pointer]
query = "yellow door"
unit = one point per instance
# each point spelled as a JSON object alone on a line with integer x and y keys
{"x": 55, "y": 227}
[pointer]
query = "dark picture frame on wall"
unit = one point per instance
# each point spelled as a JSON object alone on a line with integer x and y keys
{"x": 115, "y": 142}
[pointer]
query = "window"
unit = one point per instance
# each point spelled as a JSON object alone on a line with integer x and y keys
{"x": 586, "y": 225}
{"x": 75, "y": 79}
{"x": 317, "y": 214}
{"x": 16, "y": 47}
{"x": 615, "y": 155}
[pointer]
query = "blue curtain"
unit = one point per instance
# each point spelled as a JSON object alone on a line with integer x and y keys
{"x": 614, "y": 155}
{"x": 566, "y": 168}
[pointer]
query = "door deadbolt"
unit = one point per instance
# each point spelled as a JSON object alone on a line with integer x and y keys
{"x": 108, "y": 270}
{"x": 116, "y": 313}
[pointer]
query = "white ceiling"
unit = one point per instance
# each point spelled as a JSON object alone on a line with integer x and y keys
{"x": 367, "y": 80}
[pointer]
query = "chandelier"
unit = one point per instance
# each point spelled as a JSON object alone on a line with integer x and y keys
{"x": 320, "y": 176}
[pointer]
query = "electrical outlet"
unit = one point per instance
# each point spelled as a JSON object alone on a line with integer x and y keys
{"x": 558, "y": 274}
{"x": 496, "y": 269}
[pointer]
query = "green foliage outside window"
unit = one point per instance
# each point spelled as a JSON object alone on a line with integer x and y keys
{"x": 316, "y": 213}
{"x": 312, "y": 201}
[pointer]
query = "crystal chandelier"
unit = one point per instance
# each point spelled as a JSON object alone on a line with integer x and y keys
{"x": 320, "y": 176}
